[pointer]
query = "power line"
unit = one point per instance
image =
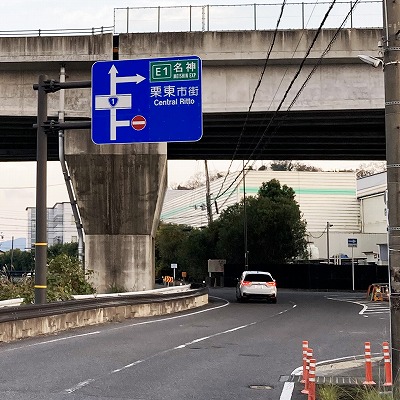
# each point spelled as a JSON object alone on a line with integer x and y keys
{"x": 284, "y": 97}
{"x": 29, "y": 187}
{"x": 317, "y": 64}
{"x": 254, "y": 93}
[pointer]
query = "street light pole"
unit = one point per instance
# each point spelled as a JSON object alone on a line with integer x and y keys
{"x": 391, "y": 16}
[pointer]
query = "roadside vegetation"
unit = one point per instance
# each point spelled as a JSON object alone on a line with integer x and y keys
{"x": 334, "y": 392}
{"x": 276, "y": 234}
{"x": 65, "y": 275}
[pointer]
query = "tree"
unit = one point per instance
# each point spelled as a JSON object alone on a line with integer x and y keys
{"x": 281, "y": 165}
{"x": 276, "y": 231}
{"x": 25, "y": 260}
{"x": 21, "y": 260}
{"x": 186, "y": 246}
{"x": 197, "y": 180}
{"x": 298, "y": 166}
{"x": 70, "y": 249}
{"x": 289, "y": 165}
{"x": 371, "y": 168}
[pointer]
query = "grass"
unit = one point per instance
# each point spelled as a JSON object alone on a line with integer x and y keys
{"x": 334, "y": 392}
{"x": 330, "y": 392}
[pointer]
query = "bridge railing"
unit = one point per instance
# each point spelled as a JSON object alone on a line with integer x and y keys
{"x": 58, "y": 32}
{"x": 297, "y": 15}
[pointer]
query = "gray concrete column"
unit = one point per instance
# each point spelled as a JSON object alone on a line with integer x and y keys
{"x": 120, "y": 191}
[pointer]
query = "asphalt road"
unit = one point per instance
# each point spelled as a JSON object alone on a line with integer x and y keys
{"x": 226, "y": 350}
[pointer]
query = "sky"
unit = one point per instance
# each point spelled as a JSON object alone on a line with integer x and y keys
{"x": 18, "y": 180}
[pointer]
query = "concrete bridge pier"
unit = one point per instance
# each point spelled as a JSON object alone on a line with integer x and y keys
{"x": 120, "y": 191}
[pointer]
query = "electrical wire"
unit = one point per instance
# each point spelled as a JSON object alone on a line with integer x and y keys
{"x": 29, "y": 187}
{"x": 285, "y": 95}
{"x": 318, "y": 63}
{"x": 254, "y": 93}
{"x": 285, "y": 73}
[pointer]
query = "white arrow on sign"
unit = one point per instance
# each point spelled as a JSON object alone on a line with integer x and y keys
{"x": 114, "y": 79}
{"x": 114, "y": 101}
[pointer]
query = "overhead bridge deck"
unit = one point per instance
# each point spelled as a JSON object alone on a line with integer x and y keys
{"x": 306, "y": 135}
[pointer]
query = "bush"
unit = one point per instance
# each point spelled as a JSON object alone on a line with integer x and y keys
{"x": 65, "y": 278}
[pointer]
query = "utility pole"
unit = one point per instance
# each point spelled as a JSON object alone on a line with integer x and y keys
{"x": 391, "y": 46}
{"x": 246, "y": 252}
{"x": 208, "y": 199}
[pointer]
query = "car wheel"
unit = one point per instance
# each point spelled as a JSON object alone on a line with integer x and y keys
{"x": 273, "y": 300}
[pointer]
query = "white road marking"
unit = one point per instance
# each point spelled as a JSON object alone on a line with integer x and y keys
{"x": 53, "y": 341}
{"x": 367, "y": 306}
{"x": 287, "y": 391}
{"x": 182, "y": 346}
{"x": 174, "y": 317}
{"x": 79, "y": 386}
{"x": 288, "y": 387}
{"x": 82, "y": 384}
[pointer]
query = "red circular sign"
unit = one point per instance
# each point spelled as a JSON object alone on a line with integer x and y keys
{"x": 138, "y": 122}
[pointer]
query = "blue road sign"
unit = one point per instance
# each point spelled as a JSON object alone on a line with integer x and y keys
{"x": 147, "y": 100}
{"x": 351, "y": 242}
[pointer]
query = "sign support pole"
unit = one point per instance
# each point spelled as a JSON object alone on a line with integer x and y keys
{"x": 41, "y": 197}
{"x": 44, "y": 126}
{"x": 352, "y": 267}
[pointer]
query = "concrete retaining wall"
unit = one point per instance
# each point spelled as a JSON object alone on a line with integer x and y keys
{"x": 15, "y": 330}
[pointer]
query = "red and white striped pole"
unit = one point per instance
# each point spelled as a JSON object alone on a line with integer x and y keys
{"x": 306, "y": 378}
{"x": 388, "y": 364}
{"x": 305, "y": 347}
{"x": 368, "y": 365}
{"x": 311, "y": 379}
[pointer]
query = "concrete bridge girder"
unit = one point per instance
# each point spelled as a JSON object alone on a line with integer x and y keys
{"x": 232, "y": 63}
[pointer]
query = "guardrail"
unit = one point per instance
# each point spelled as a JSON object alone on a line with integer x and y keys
{"x": 168, "y": 289}
{"x": 296, "y": 15}
{"x": 38, "y": 319}
{"x": 58, "y": 32}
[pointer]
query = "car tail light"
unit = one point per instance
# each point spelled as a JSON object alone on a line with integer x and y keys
{"x": 246, "y": 283}
{"x": 271, "y": 283}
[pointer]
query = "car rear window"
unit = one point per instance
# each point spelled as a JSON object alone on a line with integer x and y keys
{"x": 258, "y": 278}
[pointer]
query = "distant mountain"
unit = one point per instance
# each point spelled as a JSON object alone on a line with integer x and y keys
{"x": 19, "y": 243}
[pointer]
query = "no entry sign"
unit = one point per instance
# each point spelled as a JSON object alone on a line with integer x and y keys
{"x": 138, "y": 122}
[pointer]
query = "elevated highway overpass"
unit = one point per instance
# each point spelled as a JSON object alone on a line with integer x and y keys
{"x": 120, "y": 188}
{"x": 338, "y": 116}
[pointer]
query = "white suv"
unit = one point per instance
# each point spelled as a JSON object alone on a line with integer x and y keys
{"x": 256, "y": 284}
